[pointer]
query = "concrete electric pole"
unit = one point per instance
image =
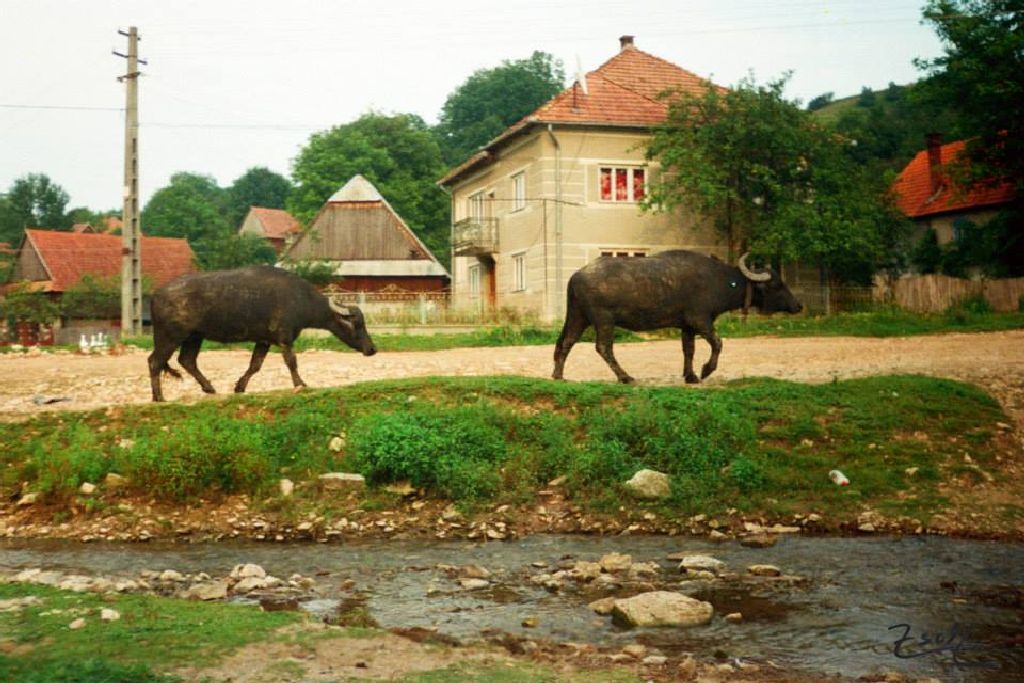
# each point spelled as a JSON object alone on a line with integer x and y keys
{"x": 131, "y": 252}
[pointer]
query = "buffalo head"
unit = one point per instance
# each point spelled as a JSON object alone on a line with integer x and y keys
{"x": 348, "y": 326}
{"x": 770, "y": 293}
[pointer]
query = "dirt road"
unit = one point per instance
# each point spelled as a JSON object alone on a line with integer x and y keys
{"x": 994, "y": 361}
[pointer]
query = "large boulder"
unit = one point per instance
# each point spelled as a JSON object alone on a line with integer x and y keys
{"x": 649, "y": 485}
{"x": 661, "y": 608}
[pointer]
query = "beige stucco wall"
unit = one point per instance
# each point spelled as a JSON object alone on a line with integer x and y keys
{"x": 251, "y": 225}
{"x": 562, "y": 189}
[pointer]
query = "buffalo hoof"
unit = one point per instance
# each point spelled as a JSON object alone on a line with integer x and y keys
{"x": 209, "y": 390}
{"x": 691, "y": 379}
{"x": 627, "y": 380}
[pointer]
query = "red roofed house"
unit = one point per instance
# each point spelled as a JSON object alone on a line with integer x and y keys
{"x": 926, "y": 194}
{"x": 563, "y": 187}
{"x": 276, "y": 226}
{"x": 52, "y": 261}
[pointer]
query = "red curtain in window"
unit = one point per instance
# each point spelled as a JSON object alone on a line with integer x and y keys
{"x": 639, "y": 191}
{"x": 621, "y": 185}
{"x": 606, "y": 183}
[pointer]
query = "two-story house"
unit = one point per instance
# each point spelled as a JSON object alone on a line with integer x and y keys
{"x": 564, "y": 186}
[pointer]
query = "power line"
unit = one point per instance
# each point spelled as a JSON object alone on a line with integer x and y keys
{"x": 70, "y": 107}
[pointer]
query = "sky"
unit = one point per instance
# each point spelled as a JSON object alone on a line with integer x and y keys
{"x": 233, "y": 84}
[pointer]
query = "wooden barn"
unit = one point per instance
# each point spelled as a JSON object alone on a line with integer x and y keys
{"x": 276, "y": 226}
{"x": 368, "y": 245}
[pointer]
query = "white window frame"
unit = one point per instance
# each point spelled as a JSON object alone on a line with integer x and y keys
{"x": 474, "y": 280}
{"x": 519, "y": 191}
{"x": 519, "y": 272}
{"x": 476, "y": 205}
{"x": 630, "y": 184}
{"x": 624, "y": 253}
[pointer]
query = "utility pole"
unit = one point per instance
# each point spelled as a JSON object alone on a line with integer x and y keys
{"x": 131, "y": 252}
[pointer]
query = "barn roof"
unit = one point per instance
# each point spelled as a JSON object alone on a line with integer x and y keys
{"x": 68, "y": 256}
{"x": 624, "y": 91}
{"x": 920, "y": 193}
{"x": 276, "y": 223}
{"x": 358, "y": 226}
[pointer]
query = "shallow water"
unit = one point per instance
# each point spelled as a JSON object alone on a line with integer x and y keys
{"x": 838, "y": 622}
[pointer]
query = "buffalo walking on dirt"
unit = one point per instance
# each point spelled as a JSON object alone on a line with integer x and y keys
{"x": 258, "y": 304}
{"x": 675, "y": 288}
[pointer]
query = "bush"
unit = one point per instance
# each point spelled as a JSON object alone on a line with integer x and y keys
{"x": 454, "y": 452}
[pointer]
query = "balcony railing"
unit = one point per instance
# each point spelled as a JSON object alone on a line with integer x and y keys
{"x": 475, "y": 236}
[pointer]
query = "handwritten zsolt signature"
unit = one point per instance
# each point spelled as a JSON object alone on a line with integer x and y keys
{"x": 953, "y": 642}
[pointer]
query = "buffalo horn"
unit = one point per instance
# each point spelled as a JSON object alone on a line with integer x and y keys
{"x": 337, "y": 308}
{"x": 749, "y": 274}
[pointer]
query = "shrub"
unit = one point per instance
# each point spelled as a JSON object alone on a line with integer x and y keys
{"x": 454, "y": 452}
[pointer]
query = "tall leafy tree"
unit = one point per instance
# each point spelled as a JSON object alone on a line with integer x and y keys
{"x": 772, "y": 180}
{"x": 981, "y": 72}
{"x": 258, "y": 186}
{"x": 492, "y": 99}
{"x": 398, "y": 154}
{"x": 191, "y": 206}
{"x": 32, "y": 201}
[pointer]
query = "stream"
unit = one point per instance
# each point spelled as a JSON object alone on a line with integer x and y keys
{"x": 964, "y": 597}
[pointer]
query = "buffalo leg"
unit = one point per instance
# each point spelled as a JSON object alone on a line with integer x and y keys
{"x": 259, "y": 352}
{"x": 187, "y": 357}
{"x": 605, "y": 337}
{"x": 689, "y": 344}
{"x": 575, "y": 323}
{"x": 708, "y": 332}
{"x": 293, "y": 364}
{"x": 162, "y": 352}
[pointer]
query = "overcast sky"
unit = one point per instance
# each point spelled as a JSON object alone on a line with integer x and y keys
{"x": 233, "y": 84}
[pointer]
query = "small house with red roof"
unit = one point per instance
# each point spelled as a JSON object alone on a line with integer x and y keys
{"x": 276, "y": 226}
{"x": 53, "y": 261}
{"x": 367, "y": 245}
{"x": 564, "y": 186}
{"x": 926, "y": 192}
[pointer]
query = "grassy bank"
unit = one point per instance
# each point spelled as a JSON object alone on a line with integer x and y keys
{"x": 759, "y": 446}
{"x": 155, "y": 637}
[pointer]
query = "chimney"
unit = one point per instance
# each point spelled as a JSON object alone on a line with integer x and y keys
{"x": 626, "y": 43}
{"x": 933, "y": 142}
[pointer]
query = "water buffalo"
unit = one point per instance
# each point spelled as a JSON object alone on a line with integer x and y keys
{"x": 259, "y": 304}
{"x": 675, "y": 288}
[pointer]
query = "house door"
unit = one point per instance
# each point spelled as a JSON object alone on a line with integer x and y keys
{"x": 490, "y": 283}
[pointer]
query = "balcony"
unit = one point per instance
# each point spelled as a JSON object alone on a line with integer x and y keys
{"x": 475, "y": 236}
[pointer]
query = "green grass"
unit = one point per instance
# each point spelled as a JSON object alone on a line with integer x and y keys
{"x": 755, "y": 445}
{"x": 153, "y": 634}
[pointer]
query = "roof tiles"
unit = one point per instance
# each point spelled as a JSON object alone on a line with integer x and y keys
{"x": 916, "y": 198}
{"x": 68, "y": 256}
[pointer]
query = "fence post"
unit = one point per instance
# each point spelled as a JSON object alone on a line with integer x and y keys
{"x": 423, "y": 309}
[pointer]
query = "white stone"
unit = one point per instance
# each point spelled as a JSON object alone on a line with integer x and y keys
{"x": 340, "y": 481}
{"x": 287, "y": 487}
{"x": 694, "y": 563}
{"x": 109, "y": 614}
{"x": 246, "y": 571}
{"x": 662, "y": 608}
{"x": 336, "y": 444}
{"x": 77, "y": 624}
{"x": 87, "y": 489}
{"x": 615, "y": 562}
{"x": 649, "y": 484}
{"x": 764, "y": 570}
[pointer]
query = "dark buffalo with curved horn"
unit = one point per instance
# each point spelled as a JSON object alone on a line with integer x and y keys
{"x": 258, "y": 304}
{"x": 675, "y": 288}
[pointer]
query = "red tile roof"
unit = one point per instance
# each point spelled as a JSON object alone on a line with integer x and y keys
{"x": 916, "y": 198}
{"x": 621, "y": 92}
{"x": 276, "y": 223}
{"x": 67, "y": 256}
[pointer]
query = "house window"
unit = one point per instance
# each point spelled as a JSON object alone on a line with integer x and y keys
{"x": 519, "y": 272}
{"x": 519, "y": 191}
{"x": 474, "y": 281}
{"x": 476, "y": 206}
{"x": 623, "y": 253}
{"x": 623, "y": 184}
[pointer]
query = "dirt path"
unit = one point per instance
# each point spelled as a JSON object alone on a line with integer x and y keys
{"x": 994, "y": 361}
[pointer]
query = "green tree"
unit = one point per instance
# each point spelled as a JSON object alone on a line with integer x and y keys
{"x": 93, "y": 298}
{"x": 192, "y": 206}
{"x": 982, "y": 74}
{"x": 398, "y": 154}
{"x": 233, "y": 251}
{"x": 258, "y": 186}
{"x": 772, "y": 180}
{"x": 33, "y": 201}
{"x": 493, "y": 99}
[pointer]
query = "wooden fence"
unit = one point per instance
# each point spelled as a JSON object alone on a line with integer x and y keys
{"x": 936, "y": 293}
